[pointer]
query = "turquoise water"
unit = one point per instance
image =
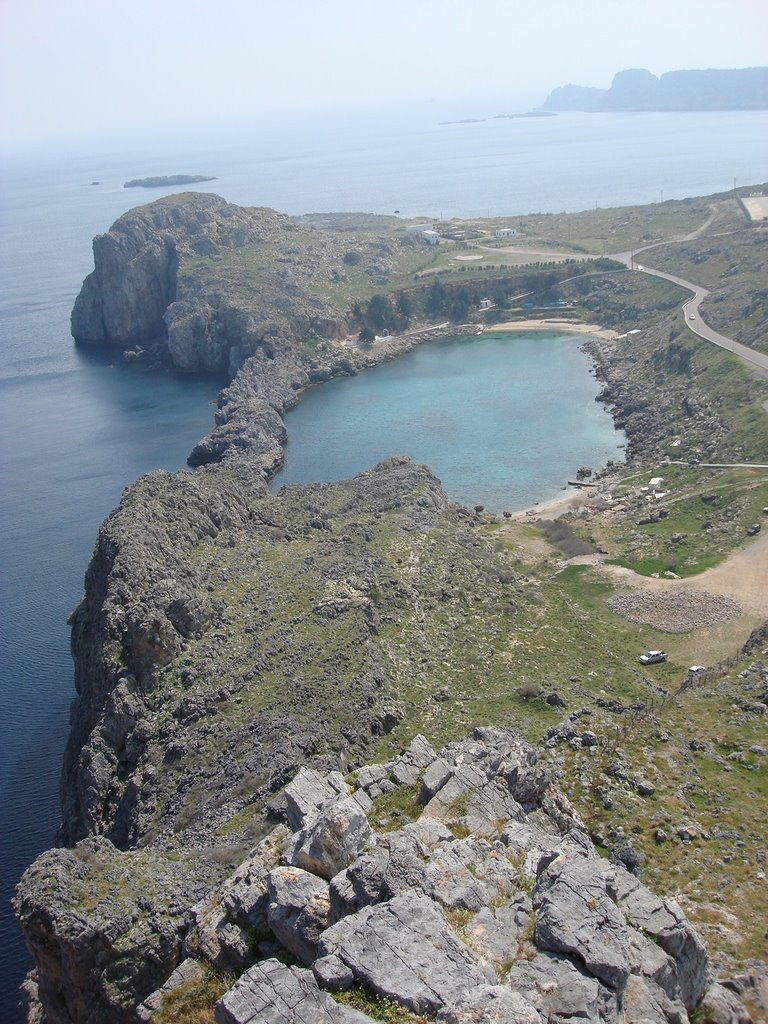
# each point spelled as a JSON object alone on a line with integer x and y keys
{"x": 503, "y": 419}
{"x": 76, "y": 430}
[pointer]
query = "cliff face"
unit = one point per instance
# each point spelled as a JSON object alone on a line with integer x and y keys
{"x": 206, "y": 602}
{"x": 637, "y": 89}
{"x": 460, "y": 884}
{"x": 205, "y": 284}
{"x": 134, "y": 281}
{"x": 226, "y": 637}
{"x": 143, "y": 291}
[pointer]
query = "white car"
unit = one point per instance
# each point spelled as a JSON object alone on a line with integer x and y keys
{"x": 691, "y": 316}
{"x": 652, "y": 657}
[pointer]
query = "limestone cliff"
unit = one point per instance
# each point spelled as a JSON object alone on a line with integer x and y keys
{"x": 637, "y": 89}
{"x": 205, "y": 284}
{"x": 457, "y": 885}
{"x": 229, "y": 638}
{"x": 124, "y": 300}
{"x": 139, "y": 295}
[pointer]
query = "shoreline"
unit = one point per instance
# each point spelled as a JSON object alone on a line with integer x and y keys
{"x": 569, "y": 501}
{"x": 389, "y": 349}
{"x": 570, "y": 326}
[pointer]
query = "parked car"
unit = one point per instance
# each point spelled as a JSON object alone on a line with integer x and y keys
{"x": 753, "y": 529}
{"x": 652, "y": 657}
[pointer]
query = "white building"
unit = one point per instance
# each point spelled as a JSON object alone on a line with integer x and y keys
{"x": 417, "y": 229}
{"x": 431, "y": 236}
{"x": 508, "y": 233}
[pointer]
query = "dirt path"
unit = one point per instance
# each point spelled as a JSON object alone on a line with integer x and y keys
{"x": 743, "y": 577}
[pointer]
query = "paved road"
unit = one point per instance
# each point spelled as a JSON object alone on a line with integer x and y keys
{"x": 693, "y": 320}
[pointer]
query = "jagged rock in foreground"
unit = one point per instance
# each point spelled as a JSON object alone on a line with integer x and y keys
{"x": 515, "y": 918}
{"x": 438, "y": 919}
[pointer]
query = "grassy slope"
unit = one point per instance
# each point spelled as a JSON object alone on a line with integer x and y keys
{"x": 476, "y": 629}
{"x": 485, "y": 634}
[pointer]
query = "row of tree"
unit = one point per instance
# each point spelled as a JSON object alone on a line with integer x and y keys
{"x": 456, "y": 302}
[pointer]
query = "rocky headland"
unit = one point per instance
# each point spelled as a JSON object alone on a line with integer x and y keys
{"x": 477, "y": 896}
{"x": 247, "y": 818}
{"x": 163, "y": 180}
{"x": 638, "y": 89}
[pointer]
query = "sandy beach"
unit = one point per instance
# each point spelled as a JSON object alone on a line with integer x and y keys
{"x": 571, "y": 499}
{"x": 554, "y": 324}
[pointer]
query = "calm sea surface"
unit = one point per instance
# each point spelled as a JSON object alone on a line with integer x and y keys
{"x": 76, "y": 429}
{"x": 503, "y": 419}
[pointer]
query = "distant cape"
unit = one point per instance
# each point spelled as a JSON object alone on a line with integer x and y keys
{"x": 638, "y": 89}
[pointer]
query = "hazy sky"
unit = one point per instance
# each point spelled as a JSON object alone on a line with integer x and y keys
{"x": 91, "y": 66}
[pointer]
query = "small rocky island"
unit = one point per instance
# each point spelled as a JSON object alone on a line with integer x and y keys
{"x": 163, "y": 180}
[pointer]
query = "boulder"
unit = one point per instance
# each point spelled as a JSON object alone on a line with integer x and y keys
{"x": 722, "y": 1006}
{"x": 298, "y": 910}
{"x": 334, "y": 839}
{"x": 434, "y": 778}
{"x": 271, "y": 993}
{"x": 665, "y": 923}
{"x": 448, "y": 798}
{"x": 495, "y": 933}
{"x": 490, "y": 808}
{"x": 560, "y": 989}
{"x": 307, "y": 793}
{"x": 217, "y": 939}
{"x": 407, "y": 769}
{"x": 644, "y": 1001}
{"x": 490, "y": 1004}
{"x": 469, "y": 874}
{"x": 405, "y": 951}
{"x": 333, "y": 974}
{"x": 576, "y": 916}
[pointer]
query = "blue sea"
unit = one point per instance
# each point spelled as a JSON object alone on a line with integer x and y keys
{"x": 78, "y": 428}
{"x": 502, "y": 419}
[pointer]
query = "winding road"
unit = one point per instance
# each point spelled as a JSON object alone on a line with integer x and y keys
{"x": 690, "y": 307}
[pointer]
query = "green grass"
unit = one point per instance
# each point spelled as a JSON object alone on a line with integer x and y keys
{"x": 384, "y": 1010}
{"x": 723, "y": 798}
{"x": 393, "y": 810}
{"x": 194, "y": 1001}
{"x": 710, "y": 529}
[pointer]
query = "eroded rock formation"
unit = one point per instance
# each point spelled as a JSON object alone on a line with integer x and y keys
{"x": 475, "y": 897}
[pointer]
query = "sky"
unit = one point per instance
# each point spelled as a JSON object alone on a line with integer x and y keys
{"x": 83, "y": 67}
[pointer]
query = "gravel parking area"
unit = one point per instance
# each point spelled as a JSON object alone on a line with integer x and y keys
{"x": 677, "y": 610}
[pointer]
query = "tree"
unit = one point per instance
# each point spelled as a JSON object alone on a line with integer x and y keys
{"x": 437, "y": 300}
{"x": 366, "y": 336}
{"x": 379, "y": 312}
{"x": 404, "y": 310}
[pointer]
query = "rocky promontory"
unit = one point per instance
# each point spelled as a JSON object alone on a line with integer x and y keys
{"x": 637, "y": 89}
{"x": 460, "y": 886}
{"x": 248, "y": 820}
{"x": 164, "y": 180}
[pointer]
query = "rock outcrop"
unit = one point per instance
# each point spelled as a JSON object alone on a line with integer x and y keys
{"x": 638, "y": 89}
{"x": 207, "y": 602}
{"x": 157, "y": 283}
{"x": 461, "y": 913}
